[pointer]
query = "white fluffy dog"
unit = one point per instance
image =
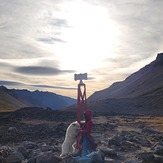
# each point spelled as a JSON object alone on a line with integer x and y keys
{"x": 70, "y": 138}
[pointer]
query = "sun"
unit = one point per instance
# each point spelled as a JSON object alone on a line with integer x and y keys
{"x": 90, "y": 37}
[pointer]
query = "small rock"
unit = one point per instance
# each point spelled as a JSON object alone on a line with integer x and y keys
{"x": 132, "y": 161}
{"x": 13, "y": 130}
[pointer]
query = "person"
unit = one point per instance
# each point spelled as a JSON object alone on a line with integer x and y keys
{"x": 87, "y": 141}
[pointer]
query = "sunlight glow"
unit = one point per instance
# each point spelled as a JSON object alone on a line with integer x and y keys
{"x": 90, "y": 37}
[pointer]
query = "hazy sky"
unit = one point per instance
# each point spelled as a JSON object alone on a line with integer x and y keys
{"x": 43, "y": 43}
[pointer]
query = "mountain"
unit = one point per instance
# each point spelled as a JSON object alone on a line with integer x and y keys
{"x": 139, "y": 93}
{"x": 13, "y": 99}
{"x": 8, "y": 102}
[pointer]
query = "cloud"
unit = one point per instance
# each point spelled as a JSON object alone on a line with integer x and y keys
{"x": 122, "y": 61}
{"x": 5, "y": 65}
{"x": 139, "y": 22}
{"x": 91, "y": 78}
{"x": 50, "y": 40}
{"x": 140, "y": 32}
{"x": 51, "y": 62}
{"x": 13, "y": 63}
{"x": 58, "y": 22}
{"x": 56, "y": 87}
{"x": 13, "y": 83}
{"x": 42, "y": 29}
{"x": 3, "y": 24}
{"x": 26, "y": 26}
{"x": 40, "y": 67}
{"x": 139, "y": 36}
{"x": 38, "y": 70}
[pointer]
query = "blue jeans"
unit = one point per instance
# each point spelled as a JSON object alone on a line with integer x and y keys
{"x": 85, "y": 145}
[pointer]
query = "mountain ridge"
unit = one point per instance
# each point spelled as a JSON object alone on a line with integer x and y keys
{"x": 141, "y": 93}
{"x": 141, "y": 82}
{"x": 25, "y": 98}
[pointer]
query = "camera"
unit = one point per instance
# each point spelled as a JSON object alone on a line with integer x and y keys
{"x": 80, "y": 76}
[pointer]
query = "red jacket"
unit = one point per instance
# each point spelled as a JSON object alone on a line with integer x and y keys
{"x": 88, "y": 123}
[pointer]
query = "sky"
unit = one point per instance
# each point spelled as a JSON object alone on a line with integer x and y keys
{"x": 44, "y": 43}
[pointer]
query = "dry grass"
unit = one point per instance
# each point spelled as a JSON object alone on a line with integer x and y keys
{"x": 38, "y": 122}
{"x": 130, "y": 123}
{"x": 127, "y": 128}
{"x": 2, "y": 110}
{"x": 9, "y": 103}
{"x": 152, "y": 121}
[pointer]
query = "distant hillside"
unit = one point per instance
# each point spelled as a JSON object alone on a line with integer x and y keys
{"x": 140, "y": 83}
{"x": 140, "y": 93}
{"x": 9, "y": 103}
{"x": 41, "y": 114}
{"x": 13, "y": 99}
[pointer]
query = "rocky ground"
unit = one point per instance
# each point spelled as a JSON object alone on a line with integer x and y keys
{"x": 28, "y": 136}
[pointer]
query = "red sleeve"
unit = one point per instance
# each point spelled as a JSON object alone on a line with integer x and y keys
{"x": 88, "y": 128}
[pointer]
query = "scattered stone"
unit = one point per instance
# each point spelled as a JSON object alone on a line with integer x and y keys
{"x": 109, "y": 152}
{"x": 94, "y": 157}
{"x": 159, "y": 150}
{"x": 146, "y": 157}
{"x": 48, "y": 157}
{"x": 5, "y": 151}
{"x": 29, "y": 144}
{"x": 24, "y": 151}
{"x": 13, "y": 130}
{"x": 125, "y": 141}
{"x": 132, "y": 161}
{"x": 158, "y": 159}
{"x": 14, "y": 157}
{"x": 149, "y": 131}
{"x": 119, "y": 140}
{"x": 31, "y": 160}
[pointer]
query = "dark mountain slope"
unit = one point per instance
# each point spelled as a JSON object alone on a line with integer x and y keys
{"x": 140, "y": 93}
{"x": 8, "y": 102}
{"x": 140, "y": 83}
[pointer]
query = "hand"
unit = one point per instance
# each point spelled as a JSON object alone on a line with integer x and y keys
{"x": 79, "y": 133}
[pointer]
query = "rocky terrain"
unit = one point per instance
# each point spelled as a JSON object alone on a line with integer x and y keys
{"x": 35, "y": 135}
